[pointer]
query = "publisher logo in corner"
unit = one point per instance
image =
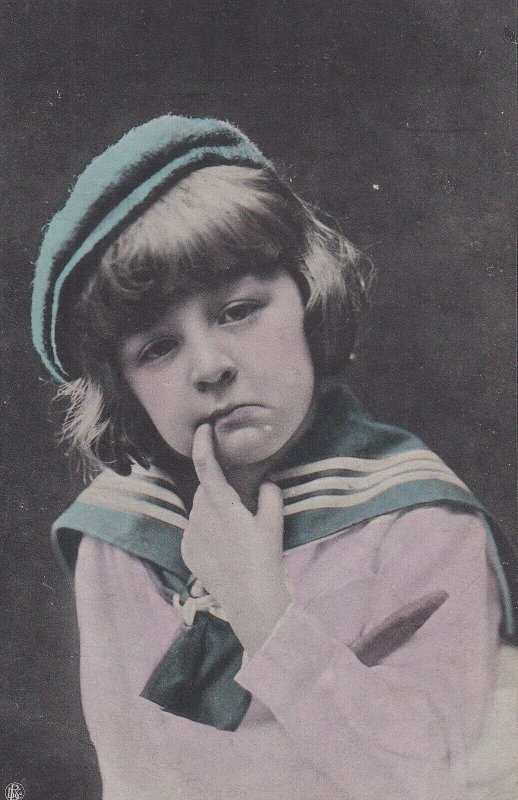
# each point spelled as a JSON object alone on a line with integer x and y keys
{"x": 14, "y": 791}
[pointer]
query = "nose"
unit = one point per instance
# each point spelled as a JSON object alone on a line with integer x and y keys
{"x": 212, "y": 367}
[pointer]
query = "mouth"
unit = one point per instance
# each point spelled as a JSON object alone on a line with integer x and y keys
{"x": 235, "y": 416}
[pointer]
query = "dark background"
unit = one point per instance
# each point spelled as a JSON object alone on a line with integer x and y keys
{"x": 395, "y": 117}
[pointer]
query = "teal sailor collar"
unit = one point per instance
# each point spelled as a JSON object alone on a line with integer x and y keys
{"x": 346, "y": 469}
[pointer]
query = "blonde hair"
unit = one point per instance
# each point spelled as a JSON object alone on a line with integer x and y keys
{"x": 214, "y": 225}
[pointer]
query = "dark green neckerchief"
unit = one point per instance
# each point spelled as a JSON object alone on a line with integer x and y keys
{"x": 346, "y": 469}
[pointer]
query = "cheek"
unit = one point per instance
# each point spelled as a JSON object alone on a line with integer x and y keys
{"x": 162, "y": 403}
{"x": 286, "y": 351}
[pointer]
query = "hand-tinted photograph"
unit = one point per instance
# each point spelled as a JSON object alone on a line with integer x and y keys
{"x": 258, "y": 401}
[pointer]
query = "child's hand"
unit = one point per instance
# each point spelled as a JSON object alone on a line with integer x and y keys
{"x": 236, "y": 555}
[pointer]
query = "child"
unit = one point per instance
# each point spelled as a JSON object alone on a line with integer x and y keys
{"x": 199, "y": 318}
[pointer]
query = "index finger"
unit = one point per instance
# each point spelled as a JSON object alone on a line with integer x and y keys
{"x": 208, "y": 470}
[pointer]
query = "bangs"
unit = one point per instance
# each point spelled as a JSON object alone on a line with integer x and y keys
{"x": 215, "y": 225}
{"x": 218, "y": 222}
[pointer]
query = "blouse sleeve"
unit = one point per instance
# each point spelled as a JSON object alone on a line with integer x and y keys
{"x": 400, "y": 730}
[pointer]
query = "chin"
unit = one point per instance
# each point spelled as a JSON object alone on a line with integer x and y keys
{"x": 247, "y": 447}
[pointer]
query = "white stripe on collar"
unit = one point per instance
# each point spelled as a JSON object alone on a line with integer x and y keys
{"x": 356, "y": 464}
{"x": 135, "y": 484}
{"x": 114, "y": 501}
{"x": 343, "y": 483}
{"x": 348, "y": 500}
{"x": 135, "y": 493}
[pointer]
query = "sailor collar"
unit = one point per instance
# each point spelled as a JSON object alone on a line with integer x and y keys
{"x": 346, "y": 469}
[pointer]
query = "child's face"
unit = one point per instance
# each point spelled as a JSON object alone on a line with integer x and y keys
{"x": 236, "y": 355}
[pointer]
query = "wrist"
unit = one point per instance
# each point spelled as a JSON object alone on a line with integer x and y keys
{"x": 254, "y": 621}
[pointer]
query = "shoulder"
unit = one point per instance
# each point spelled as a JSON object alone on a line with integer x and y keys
{"x": 407, "y": 540}
{"x": 435, "y": 548}
{"x": 140, "y": 513}
{"x": 433, "y": 528}
{"x": 407, "y": 545}
{"x": 103, "y": 568}
{"x": 428, "y": 528}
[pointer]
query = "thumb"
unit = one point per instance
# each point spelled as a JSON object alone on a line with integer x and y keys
{"x": 270, "y": 504}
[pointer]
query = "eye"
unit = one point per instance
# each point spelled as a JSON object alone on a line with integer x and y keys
{"x": 238, "y": 311}
{"x": 157, "y": 349}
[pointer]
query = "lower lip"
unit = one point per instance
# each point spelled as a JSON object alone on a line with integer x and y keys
{"x": 242, "y": 417}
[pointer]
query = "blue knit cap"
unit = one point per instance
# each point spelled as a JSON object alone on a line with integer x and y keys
{"x": 113, "y": 188}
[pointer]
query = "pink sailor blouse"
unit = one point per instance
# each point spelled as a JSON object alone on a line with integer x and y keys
{"x": 321, "y": 724}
